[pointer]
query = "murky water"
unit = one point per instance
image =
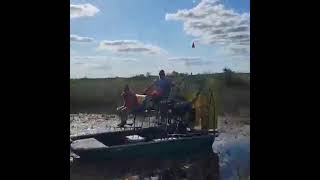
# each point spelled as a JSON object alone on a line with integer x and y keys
{"x": 234, "y": 156}
{"x": 196, "y": 167}
{"x": 229, "y": 160}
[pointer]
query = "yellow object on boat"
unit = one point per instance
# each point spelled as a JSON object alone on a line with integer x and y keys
{"x": 202, "y": 115}
{"x": 205, "y": 111}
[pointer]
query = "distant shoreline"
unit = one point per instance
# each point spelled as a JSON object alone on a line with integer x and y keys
{"x": 153, "y": 76}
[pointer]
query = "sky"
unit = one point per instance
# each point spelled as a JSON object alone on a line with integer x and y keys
{"x": 123, "y": 38}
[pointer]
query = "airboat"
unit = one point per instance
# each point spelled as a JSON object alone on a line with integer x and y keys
{"x": 190, "y": 127}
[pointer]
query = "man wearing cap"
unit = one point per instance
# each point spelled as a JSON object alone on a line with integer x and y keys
{"x": 161, "y": 89}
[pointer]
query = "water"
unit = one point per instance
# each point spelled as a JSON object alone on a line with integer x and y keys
{"x": 234, "y": 156}
{"x": 229, "y": 159}
{"x": 196, "y": 167}
{"x": 231, "y": 162}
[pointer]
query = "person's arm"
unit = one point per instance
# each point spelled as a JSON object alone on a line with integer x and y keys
{"x": 148, "y": 88}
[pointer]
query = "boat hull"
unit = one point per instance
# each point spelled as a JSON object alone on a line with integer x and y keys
{"x": 155, "y": 150}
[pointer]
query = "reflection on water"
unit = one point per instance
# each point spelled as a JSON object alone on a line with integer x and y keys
{"x": 234, "y": 156}
{"x": 196, "y": 167}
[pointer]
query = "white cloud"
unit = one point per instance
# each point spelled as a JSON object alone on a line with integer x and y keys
{"x": 190, "y": 61}
{"x": 84, "y": 58}
{"x": 72, "y": 52}
{"x": 211, "y": 23}
{"x": 240, "y": 50}
{"x": 93, "y": 65}
{"x": 90, "y": 66}
{"x": 76, "y": 38}
{"x": 102, "y": 58}
{"x": 235, "y": 51}
{"x": 100, "y": 66}
{"x": 185, "y": 59}
{"x": 90, "y": 70}
{"x": 82, "y": 10}
{"x": 130, "y": 46}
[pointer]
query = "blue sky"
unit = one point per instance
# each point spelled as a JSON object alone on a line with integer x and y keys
{"x": 128, "y": 37}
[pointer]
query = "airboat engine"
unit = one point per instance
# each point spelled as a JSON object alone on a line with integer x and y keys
{"x": 180, "y": 114}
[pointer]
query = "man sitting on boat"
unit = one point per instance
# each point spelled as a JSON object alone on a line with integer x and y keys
{"x": 159, "y": 90}
{"x": 130, "y": 104}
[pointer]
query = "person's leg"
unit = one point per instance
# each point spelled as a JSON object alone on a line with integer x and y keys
{"x": 156, "y": 105}
{"x": 137, "y": 109}
{"x": 122, "y": 112}
{"x": 119, "y": 111}
{"x": 163, "y": 109}
{"x": 125, "y": 115}
{"x": 148, "y": 102}
{"x": 120, "y": 108}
